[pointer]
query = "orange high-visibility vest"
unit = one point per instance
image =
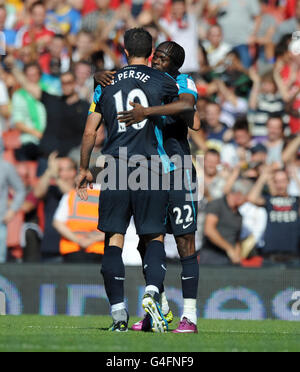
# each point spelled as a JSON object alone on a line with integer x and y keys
{"x": 83, "y": 219}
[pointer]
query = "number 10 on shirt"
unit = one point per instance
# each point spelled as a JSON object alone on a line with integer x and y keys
{"x": 135, "y": 93}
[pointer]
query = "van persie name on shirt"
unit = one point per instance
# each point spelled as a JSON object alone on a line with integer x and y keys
{"x": 131, "y": 74}
{"x": 283, "y": 210}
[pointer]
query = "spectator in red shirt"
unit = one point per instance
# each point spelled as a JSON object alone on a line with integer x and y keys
{"x": 290, "y": 8}
{"x": 37, "y": 31}
{"x": 57, "y": 51}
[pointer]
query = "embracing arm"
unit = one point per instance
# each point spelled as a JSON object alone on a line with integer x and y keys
{"x": 185, "y": 104}
{"x": 140, "y": 113}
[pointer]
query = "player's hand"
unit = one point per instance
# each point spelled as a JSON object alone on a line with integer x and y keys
{"x": 105, "y": 78}
{"x": 134, "y": 116}
{"x": 83, "y": 181}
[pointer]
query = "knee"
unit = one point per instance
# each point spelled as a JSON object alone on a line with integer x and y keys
{"x": 155, "y": 251}
{"x": 186, "y": 245}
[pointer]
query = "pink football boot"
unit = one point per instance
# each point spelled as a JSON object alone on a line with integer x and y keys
{"x": 143, "y": 326}
{"x": 186, "y": 326}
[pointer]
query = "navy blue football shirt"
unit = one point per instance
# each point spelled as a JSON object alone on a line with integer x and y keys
{"x": 175, "y": 131}
{"x": 140, "y": 84}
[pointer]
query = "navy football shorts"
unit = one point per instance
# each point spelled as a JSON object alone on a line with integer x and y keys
{"x": 183, "y": 204}
{"x": 149, "y": 209}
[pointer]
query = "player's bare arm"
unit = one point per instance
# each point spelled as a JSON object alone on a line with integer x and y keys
{"x": 140, "y": 113}
{"x": 85, "y": 177}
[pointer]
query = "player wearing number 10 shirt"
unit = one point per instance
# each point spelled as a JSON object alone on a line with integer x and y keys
{"x": 135, "y": 83}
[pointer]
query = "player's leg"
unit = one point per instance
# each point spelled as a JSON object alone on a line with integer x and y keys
{"x": 150, "y": 214}
{"x": 145, "y": 324}
{"x": 113, "y": 271}
{"x": 114, "y": 218}
{"x": 183, "y": 221}
{"x": 155, "y": 267}
{"x": 190, "y": 282}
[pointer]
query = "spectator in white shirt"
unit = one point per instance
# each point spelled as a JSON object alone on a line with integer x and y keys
{"x": 183, "y": 29}
{"x": 4, "y": 110}
{"x": 215, "y": 47}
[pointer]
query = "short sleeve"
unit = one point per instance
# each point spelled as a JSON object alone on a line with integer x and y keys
{"x": 214, "y": 207}
{"x": 95, "y": 106}
{"x": 170, "y": 89}
{"x": 62, "y": 211}
{"x": 187, "y": 85}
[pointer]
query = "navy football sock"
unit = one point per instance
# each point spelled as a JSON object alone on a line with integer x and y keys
{"x": 113, "y": 271}
{"x": 155, "y": 265}
{"x": 190, "y": 277}
{"x": 142, "y": 251}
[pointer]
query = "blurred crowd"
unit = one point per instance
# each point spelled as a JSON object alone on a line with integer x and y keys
{"x": 244, "y": 56}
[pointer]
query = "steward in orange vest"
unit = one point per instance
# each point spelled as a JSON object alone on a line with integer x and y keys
{"x": 83, "y": 221}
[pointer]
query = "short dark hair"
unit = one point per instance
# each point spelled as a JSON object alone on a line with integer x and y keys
{"x": 275, "y": 116}
{"x": 213, "y": 152}
{"x": 241, "y": 124}
{"x": 138, "y": 43}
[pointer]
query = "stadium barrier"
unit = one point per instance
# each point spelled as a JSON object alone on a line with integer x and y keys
{"x": 224, "y": 293}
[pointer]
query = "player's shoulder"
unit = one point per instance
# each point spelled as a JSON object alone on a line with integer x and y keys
{"x": 184, "y": 79}
{"x": 187, "y": 85}
{"x": 98, "y": 93}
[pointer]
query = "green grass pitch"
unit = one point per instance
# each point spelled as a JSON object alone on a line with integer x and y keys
{"x": 61, "y": 333}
